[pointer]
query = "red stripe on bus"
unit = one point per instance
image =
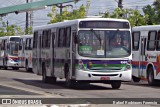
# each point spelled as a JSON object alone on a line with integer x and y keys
{"x": 144, "y": 63}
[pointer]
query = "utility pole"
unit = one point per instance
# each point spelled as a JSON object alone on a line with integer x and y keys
{"x": 31, "y": 16}
{"x": 26, "y": 20}
{"x": 120, "y": 4}
{"x": 7, "y": 25}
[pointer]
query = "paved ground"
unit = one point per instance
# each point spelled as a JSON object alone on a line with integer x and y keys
{"x": 20, "y": 84}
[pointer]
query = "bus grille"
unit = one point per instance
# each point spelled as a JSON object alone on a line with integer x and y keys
{"x": 115, "y": 68}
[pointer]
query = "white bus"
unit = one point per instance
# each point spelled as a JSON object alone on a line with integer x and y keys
{"x": 146, "y": 53}
{"x": 25, "y": 52}
{"x": 9, "y": 52}
{"x": 84, "y": 50}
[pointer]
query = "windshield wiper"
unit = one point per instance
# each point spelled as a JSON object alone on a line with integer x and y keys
{"x": 97, "y": 36}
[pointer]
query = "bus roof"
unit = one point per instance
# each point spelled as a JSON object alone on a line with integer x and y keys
{"x": 26, "y": 36}
{"x": 146, "y": 28}
{"x": 7, "y": 37}
{"x": 71, "y": 22}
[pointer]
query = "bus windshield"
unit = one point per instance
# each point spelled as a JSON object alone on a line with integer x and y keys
{"x": 14, "y": 48}
{"x": 104, "y": 43}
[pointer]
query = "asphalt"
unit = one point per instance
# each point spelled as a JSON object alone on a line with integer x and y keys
{"x": 12, "y": 91}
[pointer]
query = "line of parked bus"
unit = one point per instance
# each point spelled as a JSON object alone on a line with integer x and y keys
{"x": 87, "y": 50}
{"x": 16, "y": 52}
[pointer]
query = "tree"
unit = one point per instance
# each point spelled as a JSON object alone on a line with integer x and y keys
{"x": 10, "y": 30}
{"x": 153, "y": 12}
{"x": 152, "y": 15}
{"x": 156, "y": 5}
{"x": 66, "y": 15}
{"x": 134, "y": 16}
{"x": 136, "y": 19}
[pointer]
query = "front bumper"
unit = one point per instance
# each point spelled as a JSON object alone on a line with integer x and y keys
{"x": 98, "y": 76}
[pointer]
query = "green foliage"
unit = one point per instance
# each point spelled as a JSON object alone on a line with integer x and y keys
{"x": 10, "y": 30}
{"x": 27, "y": 31}
{"x": 136, "y": 19}
{"x": 152, "y": 16}
{"x": 66, "y": 15}
{"x": 134, "y": 16}
{"x": 153, "y": 12}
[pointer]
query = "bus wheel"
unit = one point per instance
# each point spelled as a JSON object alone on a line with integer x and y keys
{"x": 47, "y": 79}
{"x": 116, "y": 84}
{"x": 150, "y": 76}
{"x": 53, "y": 80}
{"x": 136, "y": 79}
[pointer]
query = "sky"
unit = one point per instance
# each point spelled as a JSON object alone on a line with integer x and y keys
{"x": 96, "y": 7}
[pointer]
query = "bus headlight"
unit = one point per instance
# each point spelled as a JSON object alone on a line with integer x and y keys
{"x": 128, "y": 67}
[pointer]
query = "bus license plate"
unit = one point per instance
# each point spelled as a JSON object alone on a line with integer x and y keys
{"x": 105, "y": 78}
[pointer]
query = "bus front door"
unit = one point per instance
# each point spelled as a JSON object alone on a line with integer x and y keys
{"x": 20, "y": 53}
{"x": 5, "y": 58}
{"x": 73, "y": 53}
{"x": 142, "y": 57}
{"x": 39, "y": 54}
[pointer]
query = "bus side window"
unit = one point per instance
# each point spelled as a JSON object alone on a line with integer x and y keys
{"x": 35, "y": 37}
{"x": 151, "y": 44}
{"x": 158, "y": 41}
{"x": 53, "y": 39}
{"x": 7, "y": 46}
{"x": 44, "y": 39}
{"x": 61, "y": 37}
{"x": 3, "y": 45}
{"x": 49, "y": 39}
{"x": 20, "y": 44}
{"x": 135, "y": 39}
{"x": 29, "y": 45}
{"x": 26, "y": 44}
{"x": 68, "y": 36}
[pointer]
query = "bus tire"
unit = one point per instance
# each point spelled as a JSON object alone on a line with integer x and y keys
{"x": 116, "y": 84}
{"x": 150, "y": 76}
{"x": 53, "y": 80}
{"x": 136, "y": 79}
